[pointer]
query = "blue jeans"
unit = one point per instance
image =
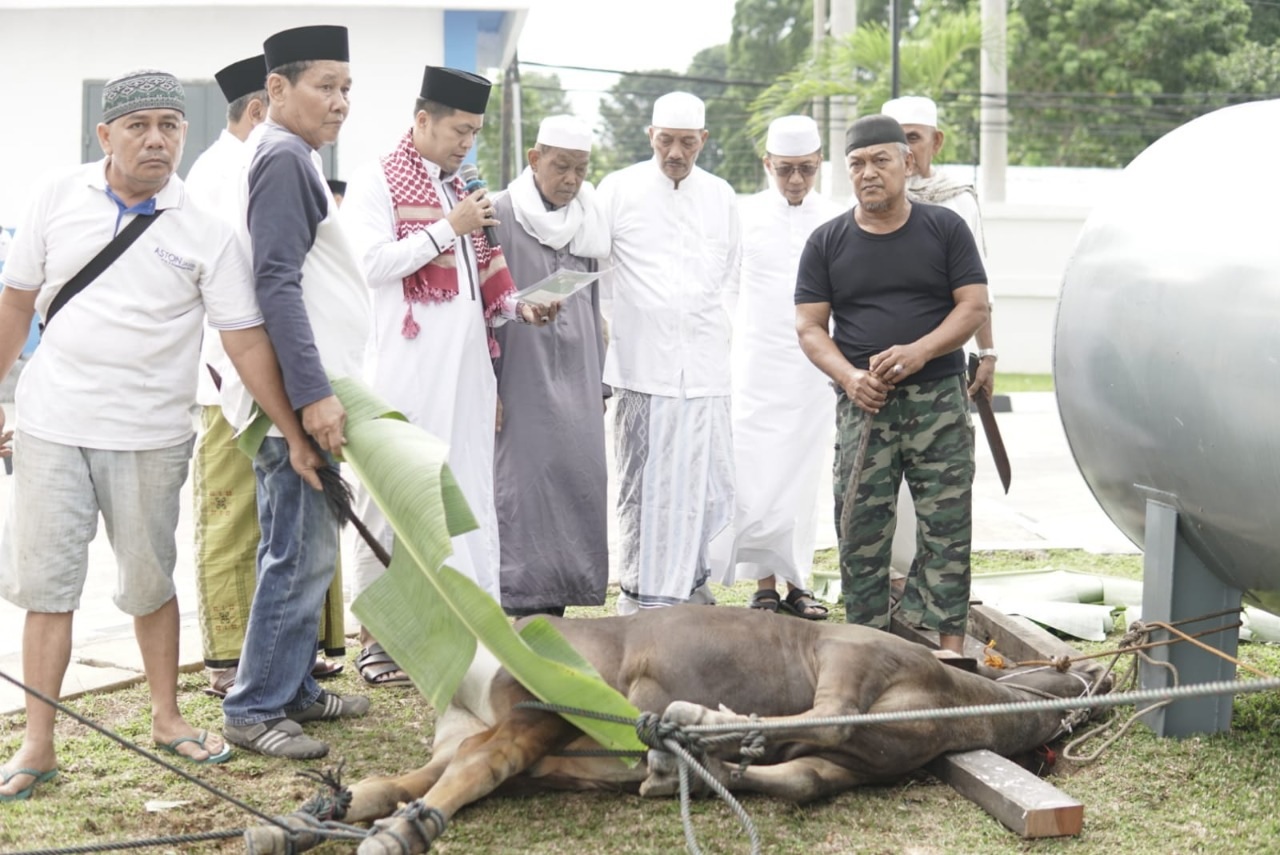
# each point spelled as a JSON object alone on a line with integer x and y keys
{"x": 296, "y": 560}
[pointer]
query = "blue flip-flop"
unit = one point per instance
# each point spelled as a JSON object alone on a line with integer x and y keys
{"x": 172, "y": 747}
{"x": 25, "y": 793}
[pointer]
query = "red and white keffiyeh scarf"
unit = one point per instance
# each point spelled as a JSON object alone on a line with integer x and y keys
{"x": 416, "y": 206}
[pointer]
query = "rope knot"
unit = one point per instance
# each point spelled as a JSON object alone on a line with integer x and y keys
{"x": 653, "y": 731}
{"x": 330, "y": 806}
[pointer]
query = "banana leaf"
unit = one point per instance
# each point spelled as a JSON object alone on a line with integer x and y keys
{"x": 428, "y": 615}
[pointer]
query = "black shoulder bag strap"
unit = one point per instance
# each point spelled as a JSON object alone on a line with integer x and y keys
{"x": 99, "y": 263}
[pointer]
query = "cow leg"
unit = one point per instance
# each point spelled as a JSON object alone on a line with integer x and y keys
{"x": 379, "y": 796}
{"x": 801, "y": 780}
{"x": 481, "y": 764}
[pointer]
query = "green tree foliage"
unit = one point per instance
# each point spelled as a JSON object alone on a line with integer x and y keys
{"x": 768, "y": 38}
{"x": 541, "y": 95}
{"x": 936, "y": 56}
{"x": 1094, "y": 82}
{"x": 624, "y": 118}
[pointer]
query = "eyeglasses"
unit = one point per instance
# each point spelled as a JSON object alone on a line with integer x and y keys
{"x": 786, "y": 170}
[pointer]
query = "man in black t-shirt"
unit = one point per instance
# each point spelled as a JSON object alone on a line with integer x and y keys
{"x": 907, "y": 288}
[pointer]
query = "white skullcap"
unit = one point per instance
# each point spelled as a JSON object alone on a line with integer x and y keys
{"x": 679, "y": 110}
{"x": 565, "y": 131}
{"x": 912, "y": 110}
{"x": 793, "y": 136}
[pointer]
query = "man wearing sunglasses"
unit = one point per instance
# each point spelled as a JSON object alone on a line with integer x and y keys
{"x": 782, "y": 404}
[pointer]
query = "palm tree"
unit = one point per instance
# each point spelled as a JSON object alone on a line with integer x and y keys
{"x": 937, "y": 55}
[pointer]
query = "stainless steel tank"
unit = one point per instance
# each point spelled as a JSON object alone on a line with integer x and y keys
{"x": 1167, "y": 344}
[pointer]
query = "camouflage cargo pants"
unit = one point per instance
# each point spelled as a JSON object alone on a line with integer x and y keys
{"x": 923, "y": 434}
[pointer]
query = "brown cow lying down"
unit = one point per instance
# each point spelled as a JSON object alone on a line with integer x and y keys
{"x": 696, "y": 663}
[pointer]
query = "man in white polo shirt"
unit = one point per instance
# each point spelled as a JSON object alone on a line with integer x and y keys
{"x": 105, "y": 401}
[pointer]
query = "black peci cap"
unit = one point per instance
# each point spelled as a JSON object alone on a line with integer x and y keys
{"x": 454, "y": 88}
{"x": 243, "y": 78}
{"x": 303, "y": 44}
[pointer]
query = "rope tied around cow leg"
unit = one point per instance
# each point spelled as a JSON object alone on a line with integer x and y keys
{"x": 656, "y": 733}
{"x": 331, "y": 805}
{"x": 427, "y": 823}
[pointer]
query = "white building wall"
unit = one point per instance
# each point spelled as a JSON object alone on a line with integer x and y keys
{"x": 1028, "y": 247}
{"x": 47, "y": 55}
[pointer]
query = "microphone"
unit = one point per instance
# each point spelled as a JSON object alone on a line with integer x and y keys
{"x": 471, "y": 181}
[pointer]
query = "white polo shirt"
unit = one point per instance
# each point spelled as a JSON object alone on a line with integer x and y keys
{"x": 116, "y": 367}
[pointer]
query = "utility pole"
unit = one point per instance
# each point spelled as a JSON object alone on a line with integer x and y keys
{"x": 993, "y": 111}
{"x": 844, "y": 20}
{"x": 895, "y": 64}
{"x": 819, "y": 36}
{"x": 506, "y": 144}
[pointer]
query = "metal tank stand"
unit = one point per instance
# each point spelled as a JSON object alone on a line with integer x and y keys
{"x": 1177, "y": 585}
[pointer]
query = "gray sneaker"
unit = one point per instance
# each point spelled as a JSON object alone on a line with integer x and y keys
{"x": 279, "y": 738}
{"x": 329, "y": 707}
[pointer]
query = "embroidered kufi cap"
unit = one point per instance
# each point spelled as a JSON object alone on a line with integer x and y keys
{"x": 912, "y": 110}
{"x": 873, "y": 130}
{"x": 243, "y": 78}
{"x": 143, "y": 89}
{"x": 456, "y": 88}
{"x": 679, "y": 110}
{"x": 565, "y": 131}
{"x": 793, "y": 136}
{"x": 306, "y": 44}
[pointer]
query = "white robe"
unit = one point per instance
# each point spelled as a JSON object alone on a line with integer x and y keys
{"x": 783, "y": 405}
{"x": 675, "y": 254}
{"x": 442, "y": 380}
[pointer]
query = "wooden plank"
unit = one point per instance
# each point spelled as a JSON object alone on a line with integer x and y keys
{"x": 1024, "y": 803}
{"x": 1016, "y": 637}
{"x": 1027, "y": 805}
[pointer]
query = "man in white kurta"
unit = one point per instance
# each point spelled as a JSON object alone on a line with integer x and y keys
{"x": 431, "y": 354}
{"x": 783, "y": 406}
{"x": 676, "y": 245}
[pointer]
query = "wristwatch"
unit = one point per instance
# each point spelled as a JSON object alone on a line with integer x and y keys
{"x": 988, "y": 353}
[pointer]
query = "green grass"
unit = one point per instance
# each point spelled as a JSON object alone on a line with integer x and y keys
{"x": 1006, "y": 383}
{"x": 1199, "y": 795}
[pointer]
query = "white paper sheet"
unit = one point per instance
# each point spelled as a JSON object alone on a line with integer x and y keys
{"x": 558, "y": 286}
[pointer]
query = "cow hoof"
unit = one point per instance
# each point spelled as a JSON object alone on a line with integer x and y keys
{"x": 664, "y": 775}
{"x": 409, "y": 831}
{"x": 684, "y": 713}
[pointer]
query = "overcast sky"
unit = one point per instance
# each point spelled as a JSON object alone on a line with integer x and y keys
{"x": 627, "y": 35}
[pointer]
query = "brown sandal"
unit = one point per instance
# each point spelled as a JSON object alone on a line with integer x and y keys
{"x": 766, "y": 600}
{"x": 803, "y": 604}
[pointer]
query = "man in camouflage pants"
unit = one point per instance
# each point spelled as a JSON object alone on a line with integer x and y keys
{"x": 907, "y": 288}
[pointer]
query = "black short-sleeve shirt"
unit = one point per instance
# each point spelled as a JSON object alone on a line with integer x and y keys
{"x": 892, "y": 288}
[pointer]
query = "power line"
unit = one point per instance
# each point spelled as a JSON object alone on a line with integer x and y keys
{"x": 657, "y": 75}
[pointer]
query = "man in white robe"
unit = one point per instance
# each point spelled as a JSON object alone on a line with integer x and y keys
{"x": 676, "y": 247}
{"x": 783, "y": 406}
{"x": 438, "y": 286}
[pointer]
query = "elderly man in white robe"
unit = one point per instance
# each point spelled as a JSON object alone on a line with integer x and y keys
{"x": 550, "y": 474}
{"x": 676, "y": 246}
{"x": 783, "y": 406}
